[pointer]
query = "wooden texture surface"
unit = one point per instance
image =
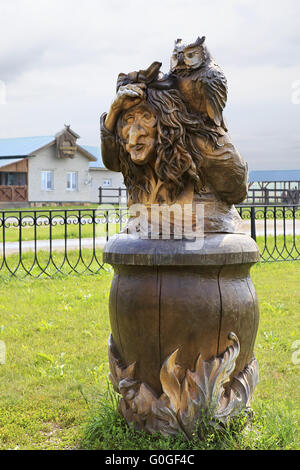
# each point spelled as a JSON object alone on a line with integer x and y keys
{"x": 156, "y": 309}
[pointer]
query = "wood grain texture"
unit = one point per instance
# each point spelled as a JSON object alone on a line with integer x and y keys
{"x": 156, "y": 309}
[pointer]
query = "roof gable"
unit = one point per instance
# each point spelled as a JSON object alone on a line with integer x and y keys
{"x": 86, "y": 153}
{"x": 20, "y": 147}
{"x": 95, "y": 151}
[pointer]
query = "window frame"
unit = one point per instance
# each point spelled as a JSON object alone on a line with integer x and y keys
{"x": 75, "y": 175}
{"x": 110, "y": 185}
{"x": 46, "y": 188}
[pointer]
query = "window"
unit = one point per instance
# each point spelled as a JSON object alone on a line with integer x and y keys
{"x": 72, "y": 181}
{"x": 107, "y": 183}
{"x": 13, "y": 179}
{"x": 47, "y": 179}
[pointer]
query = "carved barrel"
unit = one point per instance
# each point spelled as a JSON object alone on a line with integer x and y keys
{"x": 166, "y": 295}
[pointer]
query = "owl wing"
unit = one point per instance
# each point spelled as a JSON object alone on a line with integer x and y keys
{"x": 214, "y": 89}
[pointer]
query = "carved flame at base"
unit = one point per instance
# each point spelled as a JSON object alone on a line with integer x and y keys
{"x": 186, "y": 402}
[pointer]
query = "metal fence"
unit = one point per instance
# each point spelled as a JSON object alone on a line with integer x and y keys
{"x": 52, "y": 242}
{"x": 258, "y": 196}
{"x": 276, "y": 229}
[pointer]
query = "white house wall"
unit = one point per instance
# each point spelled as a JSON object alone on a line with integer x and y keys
{"x": 46, "y": 159}
{"x": 98, "y": 177}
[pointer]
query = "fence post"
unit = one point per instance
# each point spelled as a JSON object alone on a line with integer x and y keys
{"x": 120, "y": 196}
{"x": 253, "y": 221}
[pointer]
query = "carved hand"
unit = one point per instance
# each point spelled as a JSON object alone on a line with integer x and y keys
{"x": 127, "y": 96}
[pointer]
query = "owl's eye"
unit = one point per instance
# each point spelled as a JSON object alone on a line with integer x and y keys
{"x": 190, "y": 55}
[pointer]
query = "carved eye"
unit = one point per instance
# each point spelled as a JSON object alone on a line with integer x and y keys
{"x": 147, "y": 115}
{"x": 129, "y": 119}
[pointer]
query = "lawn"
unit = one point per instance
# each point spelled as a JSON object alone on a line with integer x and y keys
{"x": 73, "y": 230}
{"x": 11, "y": 230}
{"x": 54, "y": 381}
{"x": 46, "y": 225}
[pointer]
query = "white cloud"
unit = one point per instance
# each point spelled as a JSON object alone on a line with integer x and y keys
{"x": 60, "y": 60}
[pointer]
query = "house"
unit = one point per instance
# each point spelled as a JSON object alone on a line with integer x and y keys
{"x": 101, "y": 177}
{"x": 57, "y": 170}
{"x": 51, "y": 170}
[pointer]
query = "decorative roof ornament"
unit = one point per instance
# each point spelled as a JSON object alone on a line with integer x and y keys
{"x": 66, "y": 143}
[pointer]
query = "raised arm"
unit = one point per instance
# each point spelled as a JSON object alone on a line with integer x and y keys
{"x": 127, "y": 96}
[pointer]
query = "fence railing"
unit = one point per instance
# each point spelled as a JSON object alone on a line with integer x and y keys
{"x": 113, "y": 195}
{"x": 266, "y": 196}
{"x": 51, "y": 242}
{"x": 258, "y": 196}
{"x": 276, "y": 230}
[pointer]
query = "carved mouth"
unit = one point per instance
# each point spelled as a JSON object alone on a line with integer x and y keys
{"x": 138, "y": 147}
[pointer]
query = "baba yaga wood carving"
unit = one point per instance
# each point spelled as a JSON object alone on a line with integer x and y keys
{"x": 183, "y": 310}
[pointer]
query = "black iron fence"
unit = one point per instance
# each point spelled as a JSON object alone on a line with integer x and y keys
{"x": 276, "y": 229}
{"x": 52, "y": 242}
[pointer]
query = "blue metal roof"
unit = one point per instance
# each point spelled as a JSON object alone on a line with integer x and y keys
{"x": 22, "y": 146}
{"x": 274, "y": 175}
{"x": 95, "y": 151}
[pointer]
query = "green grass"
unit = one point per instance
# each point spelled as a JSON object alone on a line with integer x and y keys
{"x": 90, "y": 262}
{"x": 43, "y": 230}
{"x": 73, "y": 230}
{"x": 53, "y": 386}
{"x": 13, "y": 233}
{"x": 279, "y": 248}
{"x": 42, "y": 265}
{"x": 44, "y": 209}
{"x": 57, "y": 210}
{"x": 55, "y": 333}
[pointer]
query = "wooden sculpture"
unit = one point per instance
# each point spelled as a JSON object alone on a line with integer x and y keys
{"x": 183, "y": 311}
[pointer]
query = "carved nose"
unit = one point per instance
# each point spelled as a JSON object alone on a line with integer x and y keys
{"x": 135, "y": 133}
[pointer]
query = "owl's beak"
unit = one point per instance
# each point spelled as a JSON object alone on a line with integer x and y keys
{"x": 180, "y": 58}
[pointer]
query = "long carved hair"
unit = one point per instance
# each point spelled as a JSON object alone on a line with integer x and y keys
{"x": 178, "y": 158}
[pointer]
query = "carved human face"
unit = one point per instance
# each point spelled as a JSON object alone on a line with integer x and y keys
{"x": 139, "y": 133}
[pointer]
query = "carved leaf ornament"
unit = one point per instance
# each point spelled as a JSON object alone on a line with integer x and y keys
{"x": 184, "y": 402}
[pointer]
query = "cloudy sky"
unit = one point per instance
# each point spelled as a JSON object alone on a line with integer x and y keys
{"x": 59, "y": 60}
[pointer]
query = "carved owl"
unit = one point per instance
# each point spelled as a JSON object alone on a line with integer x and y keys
{"x": 200, "y": 80}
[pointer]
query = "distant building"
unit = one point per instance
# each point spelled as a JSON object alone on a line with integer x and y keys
{"x": 52, "y": 169}
{"x": 274, "y": 187}
{"x": 57, "y": 170}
